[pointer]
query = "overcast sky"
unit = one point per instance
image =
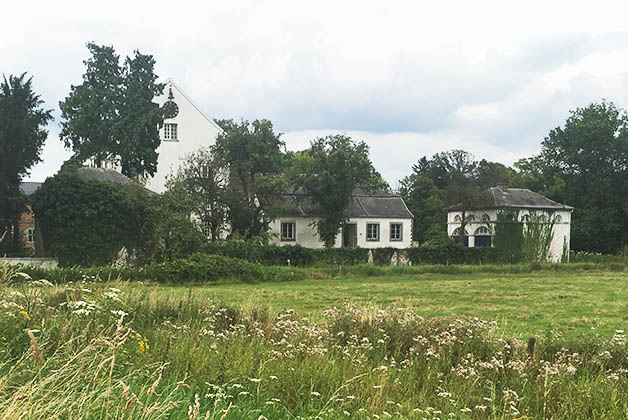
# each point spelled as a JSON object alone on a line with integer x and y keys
{"x": 411, "y": 78}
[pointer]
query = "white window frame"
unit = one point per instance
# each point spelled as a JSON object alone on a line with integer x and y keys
{"x": 29, "y": 235}
{"x": 369, "y": 236}
{"x": 171, "y": 132}
{"x": 288, "y": 238}
{"x": 396, "y": 239}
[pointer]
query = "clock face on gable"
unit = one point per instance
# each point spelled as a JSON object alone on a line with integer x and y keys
{"x": 171, "y": 109}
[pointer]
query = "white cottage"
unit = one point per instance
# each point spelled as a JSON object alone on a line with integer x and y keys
{"x": 376, "y": 220}
{"x": 480, "y": 221}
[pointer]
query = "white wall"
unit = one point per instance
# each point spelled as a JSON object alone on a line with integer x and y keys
{"x": 562, "y": 229}
{"x": 306, "y": 234}
{"x": 195, "y": 131}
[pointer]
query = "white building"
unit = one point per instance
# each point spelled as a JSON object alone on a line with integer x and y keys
{"x": 480, "y": 222}
{"x": 187, "y": 130}
{"x": 375, "y": 220}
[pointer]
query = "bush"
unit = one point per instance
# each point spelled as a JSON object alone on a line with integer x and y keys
{"x": 451, "y": 254}
{"x": 197, "y": 268}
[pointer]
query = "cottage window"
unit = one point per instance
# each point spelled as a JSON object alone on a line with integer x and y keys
{"x": 558, "y": 219}
{"x": 482, "y": 231}
{"x": 288, "y": 231}
{"x": 30, "y": 235}
{"x": 170, "y": 132}
{"x": 486, "y": 218}
{"x": 372, "y": 231}
{"x": 396, "y": 231}
{"x": 458, "y": 219}
{"x": 483, "y": 237}
{"x": 470, "y": 218}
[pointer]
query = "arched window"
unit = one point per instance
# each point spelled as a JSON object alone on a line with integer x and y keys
{"x": 542, "y": 218}
{"x": 525, "y": 218}
{"x": 486, "y": 218}
{"x": 558, "y": 219}
{"x": 458, "y": 219}
{"x": 483, "y": 237}
{"x": 465, "y": 239}
{"x": 470, "y": 218}
{"x": 482, "y": 231}
{"x": 457, "y": 232}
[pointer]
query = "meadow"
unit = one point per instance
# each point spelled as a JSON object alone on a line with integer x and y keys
{"x": 414, "y": 346}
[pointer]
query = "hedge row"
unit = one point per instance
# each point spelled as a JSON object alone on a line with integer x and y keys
{"x": 197, "y": 268}
{"x": 299, "y": 256}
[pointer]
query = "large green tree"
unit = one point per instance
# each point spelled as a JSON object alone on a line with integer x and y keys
{"x": 328, "y": 172}
{"x": 461, "y": 181}
{"x": 253, "y": 153}
{"x": 426, "y": 204}
{"x": 111, "y": 116}
{"x": 22, "y": 136}
{"x": 204, "y": 179}
{"x": 585, "y": 164}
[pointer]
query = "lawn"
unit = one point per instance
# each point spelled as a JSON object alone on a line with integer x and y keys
{"x": 574, "y": 303}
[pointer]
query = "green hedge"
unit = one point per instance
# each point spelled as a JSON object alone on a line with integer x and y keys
{"x": 197, "y": 268}
{"x": 299, "y": 256}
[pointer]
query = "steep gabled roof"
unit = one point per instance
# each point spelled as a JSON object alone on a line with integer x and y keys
{"x": 211, "y": 120}
{"x": 379, "y": 204}
{"x": 517, "y": 198}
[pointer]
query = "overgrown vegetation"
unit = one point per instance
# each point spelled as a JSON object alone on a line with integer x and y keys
{"x": 98, "y": 350}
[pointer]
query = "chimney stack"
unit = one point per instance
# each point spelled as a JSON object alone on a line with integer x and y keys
{"x": 503, "y": 187}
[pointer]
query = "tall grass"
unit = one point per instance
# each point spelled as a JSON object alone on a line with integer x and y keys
{"x": 109, "y": 350}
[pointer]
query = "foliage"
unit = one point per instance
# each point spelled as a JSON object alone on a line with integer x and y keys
{"x": 425, "y": 202}
{"x": 537, "y": 238}
{"x": 83, "y": 222}
{"x": 253, "y": 154}
{"x": 118, "y": 351}
{"x": 203, "y": 178}
{"x": 22, "y": 136}
{"x": 460, "y": 180}
{"x": 450, "y": 254}
{"x": 508, "y": 237}
{"x": 171, "y": 233}
{"x": 111, "y": 116}
{"x": 583, "y": 164}
{"x": 329, "y": 172}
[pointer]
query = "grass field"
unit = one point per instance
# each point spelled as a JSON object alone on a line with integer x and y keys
{"x": 575, "y": 303}
{"x": 381, "y": 347}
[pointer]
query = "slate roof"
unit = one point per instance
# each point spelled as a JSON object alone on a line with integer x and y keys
{"x": 28, "y": 188}
{"x": 107, "y": 175}
{"x": 518, "y": 198}
{"x": 379, "y": 204}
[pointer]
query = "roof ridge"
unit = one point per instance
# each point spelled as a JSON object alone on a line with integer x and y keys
{"x": 211, "y": 120}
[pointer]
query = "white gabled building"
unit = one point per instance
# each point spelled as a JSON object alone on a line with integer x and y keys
{"x": 480, "y": 222}
{"x": 376, "y": 220}
{"x": 186, "y": 131}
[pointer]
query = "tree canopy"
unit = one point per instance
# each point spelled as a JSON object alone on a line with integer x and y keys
{"x": 22, "y": 136}
{"x": 204, "y": 180}
{"x": 329, "y": 171}
{"x": 585, "y": 164}
{"x": 111, "y": 116}
{"x": 253, "y": 153}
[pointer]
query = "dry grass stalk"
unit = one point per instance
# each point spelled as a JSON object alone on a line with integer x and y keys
{"x": 36, "y": 350}
{"x": 194, "y": 411}
{"x": 154, "y": 386}
{"x": 226, "y": 411}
